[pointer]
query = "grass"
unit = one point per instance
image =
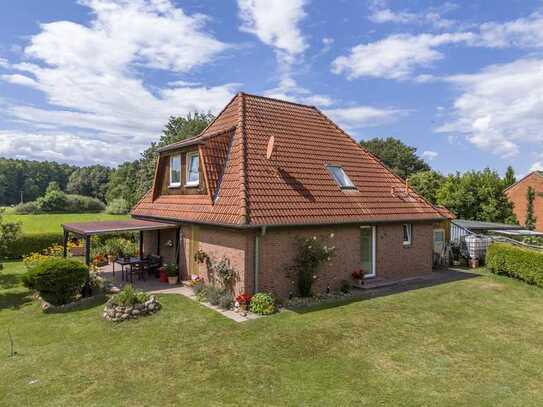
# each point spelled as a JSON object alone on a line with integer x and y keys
{"x": 475, "y": 342}
{"x": 45, "y": 223}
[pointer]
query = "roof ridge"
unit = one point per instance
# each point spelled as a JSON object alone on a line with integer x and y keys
{"x": 244, "y": 213}
{"x": 276, "y": 100}
{"x": 377, "y": 159}
{"x": 537, "y": 172}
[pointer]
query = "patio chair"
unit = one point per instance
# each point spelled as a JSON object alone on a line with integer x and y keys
{"x": 139, "y": 270}
{"x": 153, "y": 264}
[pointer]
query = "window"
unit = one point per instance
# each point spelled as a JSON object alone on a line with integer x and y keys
{"x": 175, "y": 170}
{"x": 193, "y": 170}
{"x": 341, "y": 178}
{"x": 407, "y": 234}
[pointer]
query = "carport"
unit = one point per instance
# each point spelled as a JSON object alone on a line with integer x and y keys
{"x": 88, "y": 229}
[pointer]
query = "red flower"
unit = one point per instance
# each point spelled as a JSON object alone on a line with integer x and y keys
{"x": 244, "y": 299}
{"x": 358, "y": 275}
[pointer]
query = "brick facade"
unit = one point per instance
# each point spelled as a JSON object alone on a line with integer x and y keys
{"x": 278, "y": 249}
{"x": 517, "y": 194}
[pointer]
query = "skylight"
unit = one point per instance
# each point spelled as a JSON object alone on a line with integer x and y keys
{"x": 340, "y": 177}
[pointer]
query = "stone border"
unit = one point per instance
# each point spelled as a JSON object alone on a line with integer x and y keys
{"x": 118, "y": 313}
{"x": 49, "y": 308}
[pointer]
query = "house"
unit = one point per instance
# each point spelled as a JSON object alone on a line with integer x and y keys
{"x": 518, "y": 195}
{"x": 267, "y": 171}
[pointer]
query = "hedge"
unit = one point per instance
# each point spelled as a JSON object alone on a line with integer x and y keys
{"x": 31, "y": 243}
{"x": 517, "y": 262}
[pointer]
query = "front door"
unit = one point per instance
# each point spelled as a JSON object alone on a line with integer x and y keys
{"x": 367, "y": 250}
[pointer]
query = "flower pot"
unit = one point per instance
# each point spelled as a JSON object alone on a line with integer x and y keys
{"x": 172, "y": 280}
{"x": 111, "y": 259}
{"x": 473, "y": 263}
{"x": 163, "y": 277}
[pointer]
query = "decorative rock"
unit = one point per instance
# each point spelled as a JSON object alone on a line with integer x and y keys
{"x": 121, "y": 313}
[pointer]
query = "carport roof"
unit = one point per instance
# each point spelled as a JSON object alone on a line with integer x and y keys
{"x": 116, "y": 226}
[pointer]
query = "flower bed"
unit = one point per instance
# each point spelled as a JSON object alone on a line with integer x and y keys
{"x": 129, "y": 304}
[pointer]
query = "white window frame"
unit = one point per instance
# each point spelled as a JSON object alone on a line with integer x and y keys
{"x": 175, "y": 184}
{"x": 373, "y": 272}
{"x": 349, "y": 185}
{"x": 409, "y": 228}
{"x": 189, "y": 160}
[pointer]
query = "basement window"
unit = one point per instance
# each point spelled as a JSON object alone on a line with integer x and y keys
{"x": 340, "y": 177}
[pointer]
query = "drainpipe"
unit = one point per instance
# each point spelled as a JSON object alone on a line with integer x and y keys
{"x": 256, "y": 256}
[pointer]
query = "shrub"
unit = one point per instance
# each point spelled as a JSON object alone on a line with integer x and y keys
{"x": 226, "y": 301}
{"x": 26, "y": 208}
{"x": 118, "y": 206}
{"x": 52, "y": 201}
{"x": 58, "y": 281}
{"x": 197, "y": 286}
{"x": 9, "y": 232}
{"x": 224, "y": 272}
{"x": 213, "y": 295}
{"x": 311, "y": 254}
{"x": 345, "y": 287}
{"x": 129, "y": 296}
{"x": 80, "y": 203}
{"x": 263, "y": 304}
{"x": 25, "y": 245}
{"x": 512, "y": 261}
{"x": 201, "y": 293}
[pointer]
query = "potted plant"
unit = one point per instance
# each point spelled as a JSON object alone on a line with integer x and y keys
{"x": 173, "y": 274}
{"x": 243, "y": 301}
{"x": 163, "y": 276}
{"x": 358, "y": 277}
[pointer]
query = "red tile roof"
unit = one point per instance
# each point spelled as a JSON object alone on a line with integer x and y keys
{"x": 293, "y": 186}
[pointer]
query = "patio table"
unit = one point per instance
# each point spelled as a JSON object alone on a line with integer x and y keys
{"x": 131, "y": 262}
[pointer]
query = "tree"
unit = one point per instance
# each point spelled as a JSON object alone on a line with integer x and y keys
{"x": 53, "y": 186}
{"x": 177, "y": 129}
{"x": 9, "y": 232}
{"x": 399, "y": 157}
{"x": 530, "y": 218}
{"x": 476, "y": 195}
{"x": 89, "y": 181}
{"x": 123, "y": 183}
{"x": 427, "y": 183}
{"x": 509, "y": 178}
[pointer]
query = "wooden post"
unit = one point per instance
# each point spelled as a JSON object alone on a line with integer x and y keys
{"x": 158, "y": 242}
{"x": 141, "y": 244}
{"x": 65, "y": 243}
{"x": 177, "y": 238}
{"x": 87, "y": 249}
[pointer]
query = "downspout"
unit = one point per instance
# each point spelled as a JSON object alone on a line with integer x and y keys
{"x": 256, "y": 257}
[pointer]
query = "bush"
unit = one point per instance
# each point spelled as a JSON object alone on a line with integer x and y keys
{"x": 263, "y": 304}
{"x": 9, "y": 233}
{"x": 25, "y": 245}
{"x": 119, "y": 206}
{"x": 58, "y": 281}
{"x": 214, "y": 294}
{"x": 52, "y": 201}
{"x": 85, "y": 204}
{"x": 26, "y": 208}
{"x": 226, "y": 301}
{"x": 516, "y": 262}
{"x": 129, "y": 296}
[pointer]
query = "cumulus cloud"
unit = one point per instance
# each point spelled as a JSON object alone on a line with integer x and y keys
{"x": 429, "y": 155}
{"x": 523, "y": 32}
{"x": 356, "y": 117}
{"x": 396, "y": 56}
{"x": 380, "y": 13}
{"x": 91, "y": 75}
{"x": 501, "y": 107}
{"x": 537, "y": 166}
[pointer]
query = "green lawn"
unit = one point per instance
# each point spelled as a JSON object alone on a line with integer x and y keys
{"x": 46, "y": 223}
{"x": 475, "y": 342}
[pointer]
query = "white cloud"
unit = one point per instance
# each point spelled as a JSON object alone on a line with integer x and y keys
{"x": 357, "y": 117}
{"x": 537, "y": 166}
{"x": 501, "y": 107}
{"x": 429, "y": 155}
{"x": 523, "y": 33}
{"x": 395, "y": 57}
{"x": 275, "y": 23}
{"x": 93, "y": 78}
{"x": 4, "y": 63}
{"x": 381, "y": 14}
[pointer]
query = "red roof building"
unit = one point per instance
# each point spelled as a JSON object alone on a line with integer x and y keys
{"x": 266, "y": 171}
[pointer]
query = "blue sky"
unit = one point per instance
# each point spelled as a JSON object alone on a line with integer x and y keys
{"x": 94, "y": 81}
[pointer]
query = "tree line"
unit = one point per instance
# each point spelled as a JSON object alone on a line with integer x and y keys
{"x": 26, "y": 180}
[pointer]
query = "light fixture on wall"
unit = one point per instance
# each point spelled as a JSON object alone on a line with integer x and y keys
{"x": 169, "y": 243}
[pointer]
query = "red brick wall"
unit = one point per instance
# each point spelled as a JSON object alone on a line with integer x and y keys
{"x": 518, "y": 196}
{"x": 150, "y": 242}
{"x": 394, "y": 261}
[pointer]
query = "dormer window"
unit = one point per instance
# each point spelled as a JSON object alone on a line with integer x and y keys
{"x": 193, "y": 170}
{"x": 340, "y": 177}
{"x": 175, "y": 171}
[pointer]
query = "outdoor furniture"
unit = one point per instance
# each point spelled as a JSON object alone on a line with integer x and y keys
{"x": 137, "y": 268}
{"x": 128, "y": 265}
{"x": 153, "y": 264}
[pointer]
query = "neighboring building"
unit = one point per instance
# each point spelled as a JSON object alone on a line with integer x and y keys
{"x": 517, "y": 194}
{"x": 265, "y": 172}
